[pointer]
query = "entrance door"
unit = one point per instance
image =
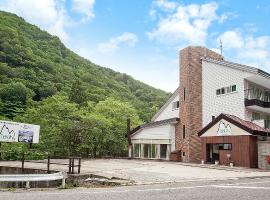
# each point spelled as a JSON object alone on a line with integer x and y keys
{"x": 215, "y": 153}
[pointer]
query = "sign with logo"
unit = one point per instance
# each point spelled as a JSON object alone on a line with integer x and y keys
{"x": 224, "y": 129}
{"x": 18, "y": 132}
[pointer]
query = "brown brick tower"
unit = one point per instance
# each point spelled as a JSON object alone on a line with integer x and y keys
{"x": 190, "y": 89}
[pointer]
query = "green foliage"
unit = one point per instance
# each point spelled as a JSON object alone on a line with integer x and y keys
{"x": 69, "y": 129}
{"x": 80, "y": 106}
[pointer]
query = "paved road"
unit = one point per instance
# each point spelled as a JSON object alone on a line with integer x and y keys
{"x": 255, "y": 189}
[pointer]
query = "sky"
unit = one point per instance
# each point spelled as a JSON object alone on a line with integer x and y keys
{"x": 142, "y": 38}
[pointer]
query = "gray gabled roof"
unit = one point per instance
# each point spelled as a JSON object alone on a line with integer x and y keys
{"x": 246, "y": 68}
{"x": 154, "y": 124}
{"x": 175, "y": 93}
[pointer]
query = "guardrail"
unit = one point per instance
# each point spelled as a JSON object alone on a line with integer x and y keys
{"x": 27, "y": 178}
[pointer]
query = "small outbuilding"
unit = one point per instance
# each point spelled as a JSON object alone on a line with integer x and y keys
{"x": 229, "y": 139}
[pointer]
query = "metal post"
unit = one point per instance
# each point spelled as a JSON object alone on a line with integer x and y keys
{"x": 0, "y": 151}
{"x": 48, "y": 164}
{"x": 79, "y": 166}
{"x": 63, "y": 182}
{"x": 69, "y": 165}
{"x": 72, "y": 165}
{"x": 27, "y": 185}
{"x": 23, "y": 162}
{"x": 64, "y": 179}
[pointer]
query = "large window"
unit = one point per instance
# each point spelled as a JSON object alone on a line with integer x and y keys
{"x": 163, "y": 150}
{"x": 137, "y": 150}
{"x": 153, "y": 150}
{"x": 146, "y": 150}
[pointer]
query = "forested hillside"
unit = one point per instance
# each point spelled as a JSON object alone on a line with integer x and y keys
{"x": 81, "y": 107}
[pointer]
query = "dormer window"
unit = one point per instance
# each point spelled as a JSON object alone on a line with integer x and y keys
{"x": 175, "y": 105}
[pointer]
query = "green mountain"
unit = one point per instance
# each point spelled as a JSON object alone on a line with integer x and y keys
{"x": 35, "y": 65}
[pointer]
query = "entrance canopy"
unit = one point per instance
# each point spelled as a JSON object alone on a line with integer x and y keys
{"x": 230, "y": 125}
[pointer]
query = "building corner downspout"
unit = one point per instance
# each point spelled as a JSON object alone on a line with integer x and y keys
{"x": 129, "y": 138}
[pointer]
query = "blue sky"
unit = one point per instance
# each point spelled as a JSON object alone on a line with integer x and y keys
{"x": 143, "y": 37}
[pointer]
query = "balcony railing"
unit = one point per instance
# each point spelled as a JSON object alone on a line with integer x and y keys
{"x": 257, "y": 94}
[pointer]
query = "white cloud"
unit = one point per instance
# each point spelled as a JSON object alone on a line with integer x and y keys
{"x": 248, "y": 49}
{"x": 231, "y": 39}
{"x": 188, "y": 24}
{"x": 84, "y": 7}
{"x": 165, "y": 4}
{"x": 127, "y": 38}
{"x": 152, "y": 13}
{"x": 47, "y": 14}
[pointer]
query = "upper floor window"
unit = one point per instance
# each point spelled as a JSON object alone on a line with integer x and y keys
{"x": 226, "y": 90}
{"x": 256, "y": 116}
{"x": 175, "y": 105}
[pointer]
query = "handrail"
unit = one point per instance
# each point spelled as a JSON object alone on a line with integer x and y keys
{"x": 34, "y": 177}
{"x": 256, "y": 93}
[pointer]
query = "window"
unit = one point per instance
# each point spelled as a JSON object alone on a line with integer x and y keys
{"x": 163, "y": 150}
{"x": 226, "y": 90}
{"x": 184, "y": 154}
{"x": 175, "y": 105}
{"x": 146, "y": 150}
{"x": 233, "y": 88}
{"x": 137, "y": 150}
{"x": 256, "y": 116}
{"x": 184, "y": 94}
{"x": 267, "y": 123}
{"x": 184, "y": 131}
{"x": 225, "y": 146}
{"x": 222, "y": 90}
{"x": 213, "y": 117}
{"x": 153, "y": 151}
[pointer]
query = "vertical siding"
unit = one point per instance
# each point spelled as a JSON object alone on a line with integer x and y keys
{"x": 244, "y": 149}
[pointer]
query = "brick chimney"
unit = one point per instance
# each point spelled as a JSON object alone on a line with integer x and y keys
{"x": 190, "y": 85}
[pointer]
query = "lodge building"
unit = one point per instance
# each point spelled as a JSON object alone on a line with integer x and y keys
{"x": 220, "y": 112}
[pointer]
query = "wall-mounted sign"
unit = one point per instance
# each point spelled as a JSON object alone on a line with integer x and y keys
{"x": 224, "y": 129}
{"x": 18, "y": 132}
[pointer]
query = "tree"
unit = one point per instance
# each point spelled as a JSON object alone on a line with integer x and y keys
{"x": 15, "y": 92}
{"x": 78, "y": 92}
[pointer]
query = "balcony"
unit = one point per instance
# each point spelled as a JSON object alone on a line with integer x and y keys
{"x": 257, "y": 99}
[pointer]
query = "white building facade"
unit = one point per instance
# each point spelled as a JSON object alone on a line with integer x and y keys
{"x": 235, "y": 89}
{"x": 156, "y": 140}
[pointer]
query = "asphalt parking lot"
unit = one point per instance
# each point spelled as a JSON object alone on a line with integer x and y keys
{"x": 149, "y": 172}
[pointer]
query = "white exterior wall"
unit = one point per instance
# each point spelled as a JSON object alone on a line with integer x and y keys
{"x": 215, "y": 76}
{"x": 163, "y": 134}
{"x": 168, "y": 112}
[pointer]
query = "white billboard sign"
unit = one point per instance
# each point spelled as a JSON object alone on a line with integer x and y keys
{"x": 18, "y": 132}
